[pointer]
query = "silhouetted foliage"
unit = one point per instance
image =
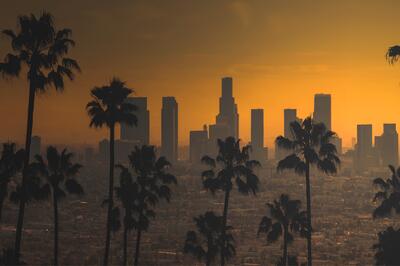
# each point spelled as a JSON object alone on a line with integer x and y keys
{"x": 393, "y": 54}
{"x": 231, "y": 166}
{"x": 205, "y": 244}
{"x": 57, "y": 172}
{"x": 108, "y": 108}
{"x": 284, "y": 219}
{"x": 388, "y": 247}
{"x": 150, "y": 184}
{"x": 42, "y": 49}
{"x": 8, "y": 258}
{"x": 291, "y": 261}
{"x": 388, "y": 194}
{"x": 311, "y": 145}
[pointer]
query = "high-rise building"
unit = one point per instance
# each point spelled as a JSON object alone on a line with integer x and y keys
{"x": 198, "y": 145}
{"x": 363, "y": 151}
{"x": 36, "y": 143}
{"x": 257, "y": 134}
{"x": 289, "y": 116}
{"x": 141, "y": 132}
{"x": 169, "y": 129}
{"x": 322, "y": 110}
{"x": 387, "y": 146}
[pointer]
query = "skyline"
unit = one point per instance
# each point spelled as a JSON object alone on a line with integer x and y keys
{"x": 342, "y": 57}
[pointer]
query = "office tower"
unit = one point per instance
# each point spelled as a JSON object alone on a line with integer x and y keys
{"x": 387, "y": 146}
{"x": 257, "y": 135}
{"x": 141, "y": 132}
{"x": 289, "y": 116}
{"x": 169, "y": 129}
{"x": 363, "y": 151}
{"x": 36, "y": 142}
{"x": 322, "y": 109}
{"x": 228, "y": 114}
{"x": 198, "y": 145}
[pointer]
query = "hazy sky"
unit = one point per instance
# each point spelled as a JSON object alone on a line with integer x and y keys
{"x": 280, "y": 53}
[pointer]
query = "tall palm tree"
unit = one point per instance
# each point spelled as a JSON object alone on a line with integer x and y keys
{"x": 285, "y": 218}
{"x": 311, "y": 146}
{"x": 108, "y": 108}
{"x": 58, "y": 172}
{"x": 11, "y": 162}
{"x": 152, "y": 184}
{"x": 393, "y": 54}
{"x": 205, "y": 245}
{"x": 387, "y": 249}
{"x": 42, "y": 48}
{"x": 388, "y": 194}
{"x": 234, "y": 167}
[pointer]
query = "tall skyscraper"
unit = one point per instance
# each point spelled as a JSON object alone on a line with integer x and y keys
{"x": 387, "y": 146}
{"x": 141, "y": 132}
{"x": 363, "y": 152}
{"x": 257, "y": 134}
{"x": 228, "y": 115}
{"x": 322, "y": 110}
{"x": 198, "y": 145}
{"x": 289, "y": 116}
{"x": 36, "y": 143}
{"x": 169, "y": 129}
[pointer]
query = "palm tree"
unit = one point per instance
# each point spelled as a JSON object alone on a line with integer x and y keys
{"x": 285, "y": 218}
{"x": 42, "y": 49}
{"x": 393, "y": 54}
{"x": 108, "y": 108}
{"x": 151, "y": 183}
{"x": 11, "y": 162}
{"x": 58, "y": 172}
{"x": 235, "y": 167}
{"x": 205, "y": 245}
{"x": 387, "y": 249}
{"x": 311, "y": 145}
{"x": 388, "y": 194}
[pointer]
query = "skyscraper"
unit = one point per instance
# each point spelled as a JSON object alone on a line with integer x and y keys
{"x": 169, "y": 129}
{"x": 198, "y": 145}
{"x": 289, "y": 116}
{"x": 322, "y": 110}
{"x": 387, "y": 146}
{"x": 257, "y": 134}
{"x": 141, "y": 132}
{"x": 363, "y": 152}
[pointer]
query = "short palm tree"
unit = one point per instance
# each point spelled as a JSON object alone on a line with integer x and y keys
{"x": 57, "y": 172}
{"x": 108, "y": 108}
{"x": 388, "y": 194}
{"x": 387, "y": 249}
{"x": 235, "y": 167}
{"x": 284, "y": 219}
{"x": 311, "y": 146}
{"x": 152, "y": 184}
{"x": 42, "y": 48}
{"x": 205, "y": 243}
{"x": 11, "y": 162}
{"x": 393, "y": 54}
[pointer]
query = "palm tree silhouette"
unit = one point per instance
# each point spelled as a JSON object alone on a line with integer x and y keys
{"x": 285, "y": 218}
{"x": 311, "y": 145}
{"x": 235, "y": 167}
{"x": 11, "y": 163}
{"x": 387, "y": 249}
{"x": 205, "y": 245}
{"x": 388, "y": 194}
{"x": 108, "y": 108}
{"x": 151, "y": 183}
{"x": 393, "y": 54}
{"x": 58, "y": 172}
{"x": 42, "y": 49}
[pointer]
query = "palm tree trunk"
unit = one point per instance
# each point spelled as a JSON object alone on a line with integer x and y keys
{"x": 285, "y": 246}
{"x": 55, "y": 206}
{"x": 125, "y": 258}
{"x": 224, "y": 218}
{"x": 138, "y": 238}
{"x": 208, "y": 258}
{"x": 309, "y": 233}
{"x": 28, "y": 139}
{"x": 110, "y": 196}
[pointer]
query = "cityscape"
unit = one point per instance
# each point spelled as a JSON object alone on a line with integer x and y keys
{"x": 208, "y": 149}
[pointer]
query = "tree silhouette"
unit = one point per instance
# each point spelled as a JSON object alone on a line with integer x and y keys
{"x": 388, "y": 194}
{"x": 151, "y": 183}
{"x": 11, "y": 163}
{"x": 235, "y": 167}
{"x": 108, "y": 108}
{"x": 387, "y": 249}
{"x": 42, "y": 48}
{"x": 57, "y": 172}
{"x": 393, "y": 54}
{"x": 311, "y": 145}
{"x": 205, "y": 243}
{"x": 285, "y": 218}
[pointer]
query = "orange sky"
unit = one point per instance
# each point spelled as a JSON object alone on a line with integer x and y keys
{"x": 280, "y": 53}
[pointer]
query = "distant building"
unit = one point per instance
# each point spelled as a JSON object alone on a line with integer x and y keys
{"x": 36, "y": 143}
{"x": 198, "y": 145}
{"x": 169, "y": 129}
{"x": 141, "y": 132}
{"x": 363, "y": 151}
{"x": 289, "y": 116}
{"x": 338, "y": 144}
{"x": 104, "y": 150}
{"x": 387, "y": 146}
{"x": 322, "y": 110}
{"x": 257, "y": 135}
{"x": 89, "y": 155}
